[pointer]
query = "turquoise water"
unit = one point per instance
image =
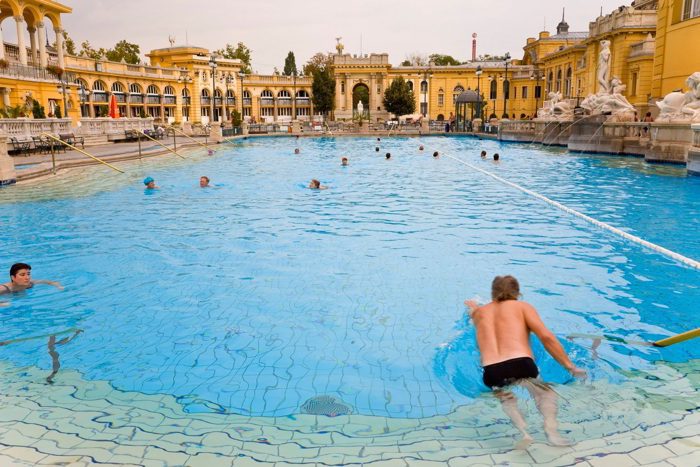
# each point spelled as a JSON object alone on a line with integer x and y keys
{"x": 257, "y": 295}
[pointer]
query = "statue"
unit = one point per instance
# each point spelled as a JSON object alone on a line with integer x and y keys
{"x": 610, "y": 102}
{"x": 604, "y": 66}
{"x": 171, "y": 39}
{"x": 555, "y": 108}
{"x": 679, "y": 106}
{"x": 360, "y": 108}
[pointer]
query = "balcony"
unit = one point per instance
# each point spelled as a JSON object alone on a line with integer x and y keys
{"x": 284, "y": 101}
{"x": 217, "y": 101}
{"x": 247, "y": 101}
{"x": 152, "y": 99}
{"x": 186, "y": 101}
{"x": 303, "y": 101}
{"x": 136, "y": 99}
{"x": 120, "y": 97}
{"x": 231, "y": 101}
{"x": 206, "y": 100}
{"x": 16, "y": 71}
{"x": 267, "y": 102}
{"x": 169, "y": 100}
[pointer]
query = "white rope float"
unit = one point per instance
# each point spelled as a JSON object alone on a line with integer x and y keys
{"x": 633, "y": 238}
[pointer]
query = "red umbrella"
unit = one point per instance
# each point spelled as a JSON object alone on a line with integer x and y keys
{"x": 113, "y": 108}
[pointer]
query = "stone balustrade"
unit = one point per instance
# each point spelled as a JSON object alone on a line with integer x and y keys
{"x": 106, "y": 126}
{"x": 25, "y": 128}
{"x": 694, "y": 151}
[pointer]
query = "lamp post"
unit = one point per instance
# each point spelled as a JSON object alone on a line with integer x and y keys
{"x": 537, "y": 76}
{"x": 506, "y": 87}
{"x": 479, "y": 71}
{"x": 84, "y": 93}
{"x": 212, "y": 65}
{"x": 227, "y": 80}
{"x": 241, "y": 75}
{"x": 62, "y": 89}
{"x": 185, "y": 78}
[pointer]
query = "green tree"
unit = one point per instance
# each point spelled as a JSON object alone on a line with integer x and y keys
{"x": 240, "y": 52}
{"x": 57, "y": 113}
{"x": 398, "y": 98}
{"x": 126, "y": 51}
{"x": 406, "y": 63}
{"x": 443, "y": 60}
{"x": 323, "y": 89}
{"x": 290, "y": 65}
{"x": 318, "y": 62}
{"x": 68, "y": 43}
{"x": 236, "y": 118}
{"x": 415, "y": 59}
{"x": 38, "y": 110}
{"x": 86, "y": 50}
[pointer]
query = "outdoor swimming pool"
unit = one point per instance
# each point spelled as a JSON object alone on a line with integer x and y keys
{"x": 259, "y": 297}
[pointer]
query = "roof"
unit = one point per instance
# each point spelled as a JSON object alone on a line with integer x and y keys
{"x": 576, "y": 35}
{"x": 467, "y": 97}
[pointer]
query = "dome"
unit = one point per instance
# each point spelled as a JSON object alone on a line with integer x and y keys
{"x": 468, "y": 97}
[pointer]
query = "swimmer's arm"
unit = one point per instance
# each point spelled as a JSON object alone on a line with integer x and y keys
{"x": 4, "y": 304}
{"x": 548, "y": 339}
{"x": 44, "y": 281}
{"x": 473, "y": 306}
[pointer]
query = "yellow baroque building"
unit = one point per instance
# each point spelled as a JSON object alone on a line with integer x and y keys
{"x": 651, "y": 43}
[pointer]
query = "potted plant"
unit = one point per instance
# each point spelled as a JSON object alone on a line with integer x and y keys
{"x": 55, "y": 70}
{"x": 4, "y": 63}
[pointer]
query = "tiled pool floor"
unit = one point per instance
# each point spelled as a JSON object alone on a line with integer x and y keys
{"x": 80, "y": 422}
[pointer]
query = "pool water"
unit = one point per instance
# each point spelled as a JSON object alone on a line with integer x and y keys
{"x": 258, "y": 295}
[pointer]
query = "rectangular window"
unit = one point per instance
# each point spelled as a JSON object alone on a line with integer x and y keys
{"x": 441, "y": 100}
{"x": 246, "y": 111}
{"x": 515, "y": 92}
{"x": 538, "y": 92}
{"x": 524, "y": 92}
{"x": 691, "y": 9}
{"x": 267, "y": 111}
{"x": 633, "y": 87}
{"x": 284, "y": 111}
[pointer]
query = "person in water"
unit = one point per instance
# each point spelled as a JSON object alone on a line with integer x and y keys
{"x": 316, "y": 185}
{"x": 483, "y": 154}
{"x": 204, "y": 182}
{"x": 496, "y": 157}
{"x": 150, "y": 183}
{"x": 436, "y": 154}
{"x": 388, "y": 156}
{"x": 297, "y": 150}
{"x": 344, "y": 161}
{"x": 503, "y": 330}
{"x": 21, "y": 279}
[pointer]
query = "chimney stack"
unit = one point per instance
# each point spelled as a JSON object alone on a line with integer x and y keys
{"x": 474, "y": 47}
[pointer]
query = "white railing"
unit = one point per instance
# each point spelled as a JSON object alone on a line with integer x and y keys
{"x": 112, "y": 126}
{"x": 25, "y": 128}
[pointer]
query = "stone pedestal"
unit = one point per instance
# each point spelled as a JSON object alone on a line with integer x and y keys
{"x": 296, "y": 127}
{"x": 694, "y": 152}
{"x": 8, "y": 175}
{"x": 425, "y": 125}
{"x": 187, "y": 128}
{"x": 244, "y": 128}
{"x": 589, "y": 135}
{"x": 669, "y": 142}
{"x": 477, "y": 125}
{"x": 216, "y": 135}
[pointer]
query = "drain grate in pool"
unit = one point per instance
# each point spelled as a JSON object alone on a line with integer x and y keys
{"x": 326, "y": 405}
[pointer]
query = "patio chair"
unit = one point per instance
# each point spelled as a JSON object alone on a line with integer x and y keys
{"x": 21, "y": 145}
{"x": 73, "y": 140}
{"x": 40, "y": 145}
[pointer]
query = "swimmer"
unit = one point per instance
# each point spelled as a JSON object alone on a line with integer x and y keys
{"x": 503, "y": 330}
{"x": 344, "y": 161}
{"x": 204, "y": 182}
{"x": 483, "y": 154}
{"x": 297, "y": 150}
{"x": 436, "y": 154}
{"x": 376, "y": 149}
{"x": 388, "y": 156}
{"x": 496, "y": 157}
{"x": 316, "y": 185}
{"x": 378, "y": 140}
{"x": 420, "y": 148}
{"x": 21, "y": 279}
{"x": 150, "y": 183}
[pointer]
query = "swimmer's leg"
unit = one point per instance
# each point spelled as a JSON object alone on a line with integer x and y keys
{"x": 510, "y": 406}
{"x": 547, "y": 403}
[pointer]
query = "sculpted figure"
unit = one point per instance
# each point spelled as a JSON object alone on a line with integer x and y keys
{"x": 681, "y": 106}
{"x": 604, "y": 66}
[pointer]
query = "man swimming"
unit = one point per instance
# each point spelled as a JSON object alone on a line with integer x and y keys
{"x": 503, "y": 330}
{"x": 21, "y": 279}
{"x": 150, "y": 183}
{"x": 204, "y": 182}
{"x": 483, "y": 154}
{"x": 344, "y": 161}
{"x": 316, "y": 185}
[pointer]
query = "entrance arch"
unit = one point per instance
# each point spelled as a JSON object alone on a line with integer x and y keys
{"x": 360, "y": 92}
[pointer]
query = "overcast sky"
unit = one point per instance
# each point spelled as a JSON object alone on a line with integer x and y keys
{"x": 271, "y": 28}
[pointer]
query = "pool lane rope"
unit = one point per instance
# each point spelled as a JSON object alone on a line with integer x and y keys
{"x": 633, "y": 238}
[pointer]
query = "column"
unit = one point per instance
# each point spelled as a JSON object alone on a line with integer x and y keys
{"x": 2, "y": 46}
{"x": 43, "y": 57}
{"x": 5, "y": 96}
{"x": 59, "y": 46}
{"x": 32, "y": 45}
{"x": 20, "y": 40}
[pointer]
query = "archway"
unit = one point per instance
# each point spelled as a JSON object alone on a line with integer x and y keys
{"x": 360, "y": 93}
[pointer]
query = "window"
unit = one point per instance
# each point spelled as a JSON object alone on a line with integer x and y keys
{"x": 266, "y": 93}
{"x": 567, "y": 82}
{"x": 284, "y": 112}
{"x": 98, "y": 86}
{"x": 441, "y": 98}
{"x": 246, "y": 94}
{"x": 342, "y": 88}
{"x": 494, "y": 89}
{"x": 515, "y": 92}
{"x": 284, "y": 94}
{"x": 456, "y": 92}
{"x": 152, "y": 89}
{"x": 691, "y": 9}
{"x": 410, "y": 85}
{"x": 117, "y": 88}
{"x": 302, "y": 94}
{"x": 524, "y": 93}
{"x": 423, "y": 86}
{"x": 205, "y": 93}
{"x": 267, "y": 112}
{"x": 506, "y": 89}
{"x": 538, "y": 92}
{"x": 134, "y": 88}
{"x": 633, "y": 87}
{"x": 169, "y": 91}
{"x": 550, "y": 81}
{"x": 185, "y": 93}
{"x": 559, "y": 81}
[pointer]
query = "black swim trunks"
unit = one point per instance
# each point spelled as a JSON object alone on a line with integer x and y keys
{"x": 505, "y": 373}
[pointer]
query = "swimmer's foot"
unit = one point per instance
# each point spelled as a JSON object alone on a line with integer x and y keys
{"x": 555, "y": 439}
{"x": 524, "y": 443}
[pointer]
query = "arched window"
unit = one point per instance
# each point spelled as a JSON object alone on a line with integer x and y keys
{"x": 230, "y": 94}
{"x": 185, "y": 93}
{"x": 205, "y": 93}
{"x": 456, "y": 92}
{"x": 266, "y": 93}
{"x": 98, "y": 86}
{"x": 135, "y": 88}
{"x": 493, "y": 92}
{"x": 302, "y": 93}
{"x": 550, "y": 82}
{"x": 558, "y": 89}
{"x": 441, "y": 97}
{"x": 117, "y": 88}
{"x": 284, "y": 93}
{"x": 567, "y": 82}
{"x": 246, "y": 94}
{"x": 152, "y": 89}
{"x": 169, "y": 91}
{"x": 423, "y": 86}
{"x": 410, "y": 85}
{"x": 506, "y": 89}
{"x": 217, "y": 93}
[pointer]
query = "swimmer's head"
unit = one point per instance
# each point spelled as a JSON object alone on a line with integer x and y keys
{"x": 149, "y": 182}
{"x": 505, "y": 288}
{"x": 344, "y": 161}
{"x": 21, "y": 274}
{"x": 420, "y": 148}
{"x": 296, "y": 151}
{"x": 376, "y": 149}
{"x": 435, "y": 154}
{"x": 483, "y": 154}
{"x": 203, "y": 181}
{"x": 496, "y": 157}
{"x": 388, "y": 155}
{"x": 315, "y": 184}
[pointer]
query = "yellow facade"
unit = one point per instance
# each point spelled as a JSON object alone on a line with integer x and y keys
{"x": 677, "y": 39}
